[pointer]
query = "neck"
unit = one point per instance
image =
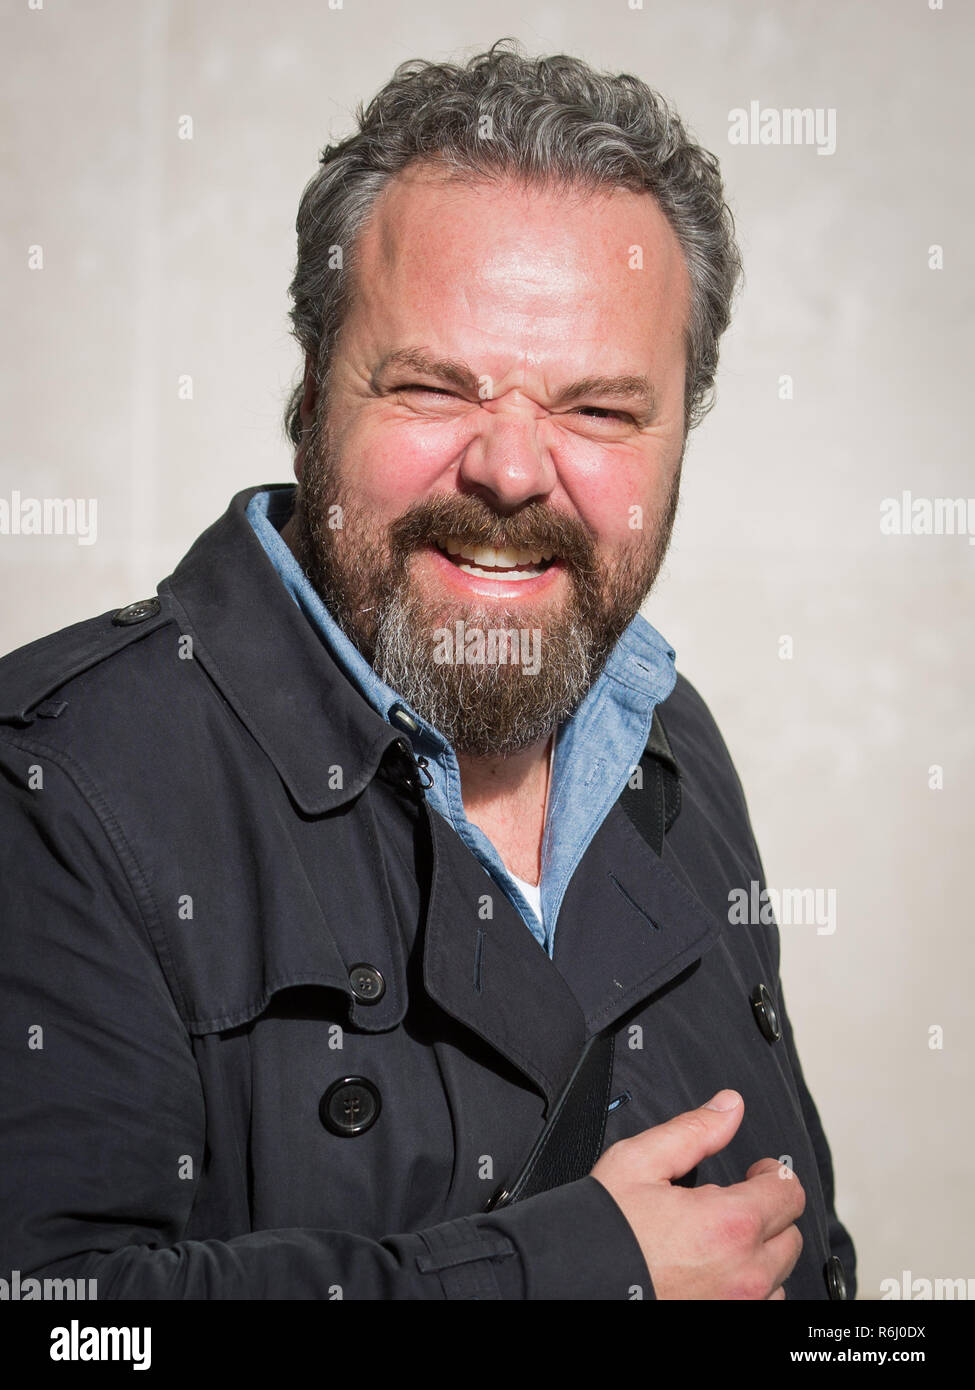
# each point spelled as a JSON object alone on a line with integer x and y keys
{"x": 506, "y": 798}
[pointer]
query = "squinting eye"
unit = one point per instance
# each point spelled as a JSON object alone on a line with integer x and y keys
{"x": 603, "y": 412}
{"x": 596, "y": 412}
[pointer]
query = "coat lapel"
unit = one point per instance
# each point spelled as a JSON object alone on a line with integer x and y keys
{"x": 482, "y": 964}
{"x": 628, "y": 924}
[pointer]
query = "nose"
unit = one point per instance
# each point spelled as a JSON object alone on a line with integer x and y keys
{"x": 507, "y": 462}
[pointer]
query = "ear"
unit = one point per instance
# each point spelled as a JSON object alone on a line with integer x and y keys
{"x": 306, "y": 410}
{"x": 311, "y": 392}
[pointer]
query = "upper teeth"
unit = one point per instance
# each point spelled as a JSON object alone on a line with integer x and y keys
{"x": 488, "y": 557}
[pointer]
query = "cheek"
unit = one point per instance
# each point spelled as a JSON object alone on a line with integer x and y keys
{"x": 391, "y": 466}
{"x": 614, "y": 490}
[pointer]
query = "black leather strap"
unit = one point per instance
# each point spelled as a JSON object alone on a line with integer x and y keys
{"x": 655, "y": 805}
{"x": 572, "y": 1139}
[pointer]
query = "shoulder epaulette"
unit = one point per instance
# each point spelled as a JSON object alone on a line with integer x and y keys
{"x": 30, "y": 675}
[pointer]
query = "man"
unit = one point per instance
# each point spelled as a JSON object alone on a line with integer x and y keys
{"x": 322, "y": 868}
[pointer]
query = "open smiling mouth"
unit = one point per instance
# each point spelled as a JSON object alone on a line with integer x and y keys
{"x": 487, "y": 562}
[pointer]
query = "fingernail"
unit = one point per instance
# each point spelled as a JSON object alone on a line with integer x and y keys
{"x": 724, "y": 1100}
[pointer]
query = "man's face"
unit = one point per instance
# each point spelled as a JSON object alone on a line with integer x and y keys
{"x": 510, "y": 374}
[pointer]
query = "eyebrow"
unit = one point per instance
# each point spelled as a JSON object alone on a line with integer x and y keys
{"x": 638, "y": 389}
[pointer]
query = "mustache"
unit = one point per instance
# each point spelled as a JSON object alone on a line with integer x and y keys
{"x": 534, "y": 527}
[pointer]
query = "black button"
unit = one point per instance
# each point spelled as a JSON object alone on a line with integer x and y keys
{"x": 368, "y": 985}
{"x": 765, "y": 1014}
{"x": 835, "y": 1277}
{"x": 350, "y": 1106}
{"x": 136, "y": 612}
{"x": 402, "y": 717}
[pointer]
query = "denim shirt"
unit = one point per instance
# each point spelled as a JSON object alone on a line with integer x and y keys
{"x": 596, "y": 749}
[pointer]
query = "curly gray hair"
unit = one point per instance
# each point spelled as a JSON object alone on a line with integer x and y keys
{"x": 550, "y": 120}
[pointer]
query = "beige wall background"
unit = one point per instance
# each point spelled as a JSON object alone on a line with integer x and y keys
{"x": 166, "y": 258}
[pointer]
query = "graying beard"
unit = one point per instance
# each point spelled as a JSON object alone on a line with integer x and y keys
{"x": 468, "y": 722}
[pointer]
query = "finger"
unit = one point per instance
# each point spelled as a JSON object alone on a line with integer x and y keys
{"x": 768, "y": 1165}
{"x": 780, "y": 1255}
{"x": 778, "y": 1201}
{"x": 671, "y": 1149}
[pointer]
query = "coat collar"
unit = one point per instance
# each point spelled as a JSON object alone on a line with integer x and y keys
{"x": 241, "y": 617}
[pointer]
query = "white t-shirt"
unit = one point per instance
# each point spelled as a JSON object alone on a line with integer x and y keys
{"x": 533, "y": 892}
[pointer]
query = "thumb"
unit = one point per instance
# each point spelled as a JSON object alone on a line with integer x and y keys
{"x": 673, "y": 1148}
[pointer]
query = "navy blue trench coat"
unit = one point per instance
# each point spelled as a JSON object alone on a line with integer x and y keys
{"x": 224, "y": 895}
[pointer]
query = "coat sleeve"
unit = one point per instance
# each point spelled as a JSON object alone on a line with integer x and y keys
{"x": 102, "y": 1119}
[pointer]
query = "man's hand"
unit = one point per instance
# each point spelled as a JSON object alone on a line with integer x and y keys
{"x": 705, "y": 1242}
